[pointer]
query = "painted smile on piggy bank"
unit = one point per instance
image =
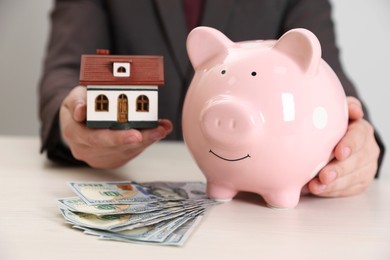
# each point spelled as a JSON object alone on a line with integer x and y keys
{"x": 229, "y": 160}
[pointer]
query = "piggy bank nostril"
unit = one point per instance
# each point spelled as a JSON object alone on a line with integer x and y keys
{"x": 233, "y": 124}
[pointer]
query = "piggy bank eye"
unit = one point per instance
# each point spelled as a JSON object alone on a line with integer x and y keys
{"x": 253, "y": 73}
{"x": 223, "y": 72}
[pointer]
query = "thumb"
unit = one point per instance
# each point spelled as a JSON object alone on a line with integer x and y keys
{"x": 80, "y": 112}
{"x": 355, "y": 110}
{"x": 76, "y": 103}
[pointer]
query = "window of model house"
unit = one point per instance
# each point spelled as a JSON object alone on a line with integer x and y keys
{"x": 101, "y": 103}
{"x": 142, "y": 103}
{"x": 121, "y": 69}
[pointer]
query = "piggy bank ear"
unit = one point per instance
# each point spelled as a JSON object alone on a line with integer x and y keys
{"x": 303, "y": 47}
{"x": 204, "y": 43}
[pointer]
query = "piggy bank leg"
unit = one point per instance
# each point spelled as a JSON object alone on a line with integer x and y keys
{"x": 220, "y": 193}
{"x": 283, "y": 199}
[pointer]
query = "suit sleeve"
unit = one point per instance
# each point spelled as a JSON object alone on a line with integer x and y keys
{"x": 77, "y": 27}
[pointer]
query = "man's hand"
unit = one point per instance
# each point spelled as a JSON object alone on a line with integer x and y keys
{"x": 355, "y": 162}
{"x": 103, "y": 148}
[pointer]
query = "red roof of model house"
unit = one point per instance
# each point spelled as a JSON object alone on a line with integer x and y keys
{"x": 105, "y": 69}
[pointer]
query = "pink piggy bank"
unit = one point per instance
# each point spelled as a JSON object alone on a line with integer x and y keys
{"x": 261, "y": 116}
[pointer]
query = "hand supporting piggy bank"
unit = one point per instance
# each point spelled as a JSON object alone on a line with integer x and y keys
{"x": 261, "y": 116}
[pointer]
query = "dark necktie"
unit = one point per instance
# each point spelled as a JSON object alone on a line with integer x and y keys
{"x": 193, "y": 12}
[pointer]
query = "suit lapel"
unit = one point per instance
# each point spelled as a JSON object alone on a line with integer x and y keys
{"x": 216, "y": 13}
{"x": 174, "y": 27}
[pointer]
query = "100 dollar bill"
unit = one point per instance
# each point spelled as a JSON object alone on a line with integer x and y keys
{"x": 76, "y": 204}
{"x": 171, "y": 232}
{"x": 125, "y": 192}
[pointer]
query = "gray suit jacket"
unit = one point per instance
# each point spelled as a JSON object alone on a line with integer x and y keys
{"x": 158, "y": 27}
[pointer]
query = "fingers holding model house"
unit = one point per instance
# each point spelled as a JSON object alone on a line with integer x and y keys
{"x": 103, "y": 148}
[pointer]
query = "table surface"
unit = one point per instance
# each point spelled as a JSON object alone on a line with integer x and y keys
{"x": 32, "y": 227}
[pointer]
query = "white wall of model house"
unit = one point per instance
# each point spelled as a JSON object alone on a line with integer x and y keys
{"x": 132, "y": 93}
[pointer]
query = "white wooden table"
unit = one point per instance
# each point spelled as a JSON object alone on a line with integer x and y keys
{"x": 31, "y": 226}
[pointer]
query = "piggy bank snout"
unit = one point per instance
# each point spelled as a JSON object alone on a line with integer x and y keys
{"x": 228, "y": 123}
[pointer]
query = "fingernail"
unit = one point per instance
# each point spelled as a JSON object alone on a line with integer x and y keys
{"x": 156, "y": 136}
{"x": 346, "y": 152}
{"x": 355, "y": 105}
{"x": 331, "y": 176}
{"x": 132, "y": 139}
{"x": 321, "y": 188}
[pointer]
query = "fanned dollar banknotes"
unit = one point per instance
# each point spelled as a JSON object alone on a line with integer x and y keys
{"x": 163, "y": 213}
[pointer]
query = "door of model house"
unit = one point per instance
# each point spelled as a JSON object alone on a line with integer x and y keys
{"x": 122, "y": 109}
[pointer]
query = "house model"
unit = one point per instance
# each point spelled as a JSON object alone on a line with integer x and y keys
{"x": 122, "y": 91}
